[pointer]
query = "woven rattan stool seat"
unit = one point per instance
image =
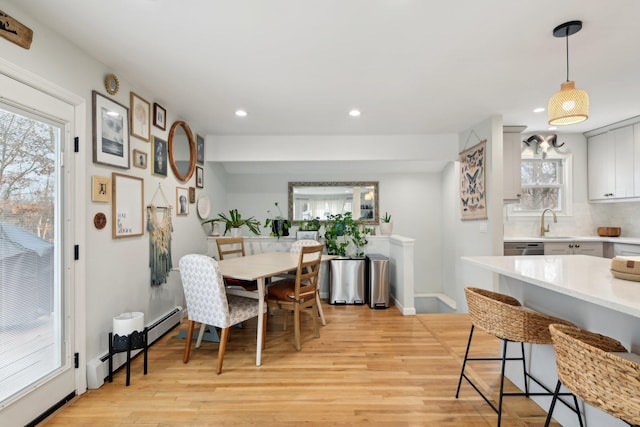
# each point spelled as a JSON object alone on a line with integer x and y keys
{"x": 503, "y": 316}
{"x": 588, "y": 367}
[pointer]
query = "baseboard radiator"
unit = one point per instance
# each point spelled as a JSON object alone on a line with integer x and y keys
{"x": 98, "y": 368}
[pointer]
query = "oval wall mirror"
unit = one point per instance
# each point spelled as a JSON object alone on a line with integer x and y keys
{"x": 182, "y": 151}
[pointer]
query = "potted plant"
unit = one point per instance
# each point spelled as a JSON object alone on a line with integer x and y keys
{"x": 279, "y": 224}
{"x": 341, "y": 231}
{"x": 386, "y": 226}
{"x": 309, "y": 229}
{"x": 234, "y": 221}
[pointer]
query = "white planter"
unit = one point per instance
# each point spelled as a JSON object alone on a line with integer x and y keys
{"x": 235, "y": 232}
{"x": 386, "y": 228}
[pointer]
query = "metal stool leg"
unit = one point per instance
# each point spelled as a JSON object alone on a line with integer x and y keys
{"x": 464, "y": 363}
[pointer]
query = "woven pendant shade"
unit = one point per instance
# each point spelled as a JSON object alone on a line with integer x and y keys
{"x": 568, "y": 106}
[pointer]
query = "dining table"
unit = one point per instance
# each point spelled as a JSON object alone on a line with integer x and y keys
{"x": 259, "y": 267}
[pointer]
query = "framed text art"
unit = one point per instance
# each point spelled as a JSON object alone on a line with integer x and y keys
{"x": 159, "y": 116}
{"x": 100, "y": 188}
{"x": 159, "y": 151}
{"x": 127, "y": 209}
{"x": 110, "y": 132}
{"x": 199, "y": 177}
{"x": 182, "y": 200}
{"x": 473, "y": 195}
{"x": 140, "y": 111}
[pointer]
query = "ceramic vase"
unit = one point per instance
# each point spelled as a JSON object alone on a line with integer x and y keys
{"x": 386, "y": 228}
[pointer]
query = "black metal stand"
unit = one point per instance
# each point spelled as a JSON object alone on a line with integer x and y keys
{"x": 134, "y": 341}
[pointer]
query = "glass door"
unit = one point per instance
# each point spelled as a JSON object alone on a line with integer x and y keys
{"x": 36, "y": 321}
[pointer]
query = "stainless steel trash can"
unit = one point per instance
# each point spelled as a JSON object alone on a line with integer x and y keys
{"x": 378, "y": 280}
{"x": 347, "y": 281}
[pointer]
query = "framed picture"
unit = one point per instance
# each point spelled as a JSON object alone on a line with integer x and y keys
{"x": 100, "y": 188}
{"x": 182, "y": 201}
{"x": 139, "y": 159}
{"x": 127, "y": 210}
{"x": 199, "y": 149}
{"x": 110, "y": 132}
{"x": 159, "y": 152}
{"x": 199, "y": 177}
{"x": 159, "y": 116}
{"x": 192, "y": 194}
{"x": 140, "y": 111}
{"x": 473, "y": 194}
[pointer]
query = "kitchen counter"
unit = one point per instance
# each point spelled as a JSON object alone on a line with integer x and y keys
{"x": 578, "y": 288}
{"x": 551, "y": 238}
{"x": 579, "y": 276}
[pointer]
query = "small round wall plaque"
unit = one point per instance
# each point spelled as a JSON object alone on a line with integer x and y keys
{"x": 111, "y": 84}
{"x": 100, "y": 220}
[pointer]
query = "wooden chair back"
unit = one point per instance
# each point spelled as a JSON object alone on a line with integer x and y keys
{"x": 230, "y": 246}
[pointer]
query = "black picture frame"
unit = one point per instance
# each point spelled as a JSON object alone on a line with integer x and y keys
{"x": 199, "y": 149}
{"x": 110, "y": 132}
{"x": 159, "y": 155}
{"x": 159, "y": 116}
{"x": 199, "y": 177}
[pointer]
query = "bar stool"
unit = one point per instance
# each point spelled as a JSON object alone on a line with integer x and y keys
{"x": 598, "y": 370}
{"x": 503, "y": 316}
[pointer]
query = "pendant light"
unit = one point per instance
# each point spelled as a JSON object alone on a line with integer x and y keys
{"x": 570, "y": 105}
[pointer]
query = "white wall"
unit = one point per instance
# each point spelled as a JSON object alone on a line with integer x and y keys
{"x": 117, "y": 275}
{"x": 464, "y": 238}
{"x": 411, "y": 199}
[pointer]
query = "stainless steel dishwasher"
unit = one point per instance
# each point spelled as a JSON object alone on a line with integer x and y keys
{"x": 523, "y": 248}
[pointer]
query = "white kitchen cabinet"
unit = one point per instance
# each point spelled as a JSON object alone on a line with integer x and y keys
{"x": 624, "y": 249}
{"x": 573, "y": 248}
{"x": 511, "y": 152}
{"x": 611, "y": 169}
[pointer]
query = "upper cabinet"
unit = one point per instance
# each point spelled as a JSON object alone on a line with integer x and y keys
{"x": 614, "y": 163}
{"x": 511, "y": 152}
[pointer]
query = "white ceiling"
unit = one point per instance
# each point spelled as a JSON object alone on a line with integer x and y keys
{"x": 411, "y": 66}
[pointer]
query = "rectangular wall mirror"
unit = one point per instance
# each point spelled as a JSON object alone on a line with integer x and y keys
{"x": 309, "y": 200}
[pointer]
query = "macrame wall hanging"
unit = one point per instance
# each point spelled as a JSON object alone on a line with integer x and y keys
{"x": 159, "y": 227}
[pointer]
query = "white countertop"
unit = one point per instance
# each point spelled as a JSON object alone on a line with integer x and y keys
{"x": 580, "y": 276}
{"x": 551, "y": 238}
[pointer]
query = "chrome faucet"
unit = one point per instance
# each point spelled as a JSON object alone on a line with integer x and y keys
{"x": 542, "y": 227}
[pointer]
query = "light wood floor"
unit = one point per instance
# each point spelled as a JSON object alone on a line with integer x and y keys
{"x": 369, "y": 367}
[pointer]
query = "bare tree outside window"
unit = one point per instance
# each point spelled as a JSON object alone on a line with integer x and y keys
{"x": 27, "y": 166}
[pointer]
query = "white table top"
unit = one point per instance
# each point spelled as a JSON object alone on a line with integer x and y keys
{"x": 253, "y": 267}
{"x": 581, "y": 276}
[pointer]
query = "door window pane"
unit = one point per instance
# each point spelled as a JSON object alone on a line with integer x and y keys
{"x": 30, "y": 295}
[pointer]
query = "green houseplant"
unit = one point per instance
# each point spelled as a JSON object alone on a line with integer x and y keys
{"x": 341, "y": 231}
{"x": 234, "y": 221}
{"x": 386, "y": 226}
{"x": 310, "y": 225}
{"x": 279, "y": 224}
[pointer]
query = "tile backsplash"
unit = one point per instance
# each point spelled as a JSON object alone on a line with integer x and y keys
{"x": 587, "y": 217}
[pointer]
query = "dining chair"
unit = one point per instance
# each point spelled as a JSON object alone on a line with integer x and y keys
{"x": 208, "y": 303}
{"x": 598, "y": 370}
{"x": 294, "y": 295}
{"x": 295, "y": 248}
{"x": 234, "y": 247}
{"x": 504, "y": 317}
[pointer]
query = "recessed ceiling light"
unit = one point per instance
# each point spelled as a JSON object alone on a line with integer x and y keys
{"x": 539, "y": 110}
{"x": 354, "y": 113}
{"x": 241, "y": 113}
{"x": 553, "y": 127}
